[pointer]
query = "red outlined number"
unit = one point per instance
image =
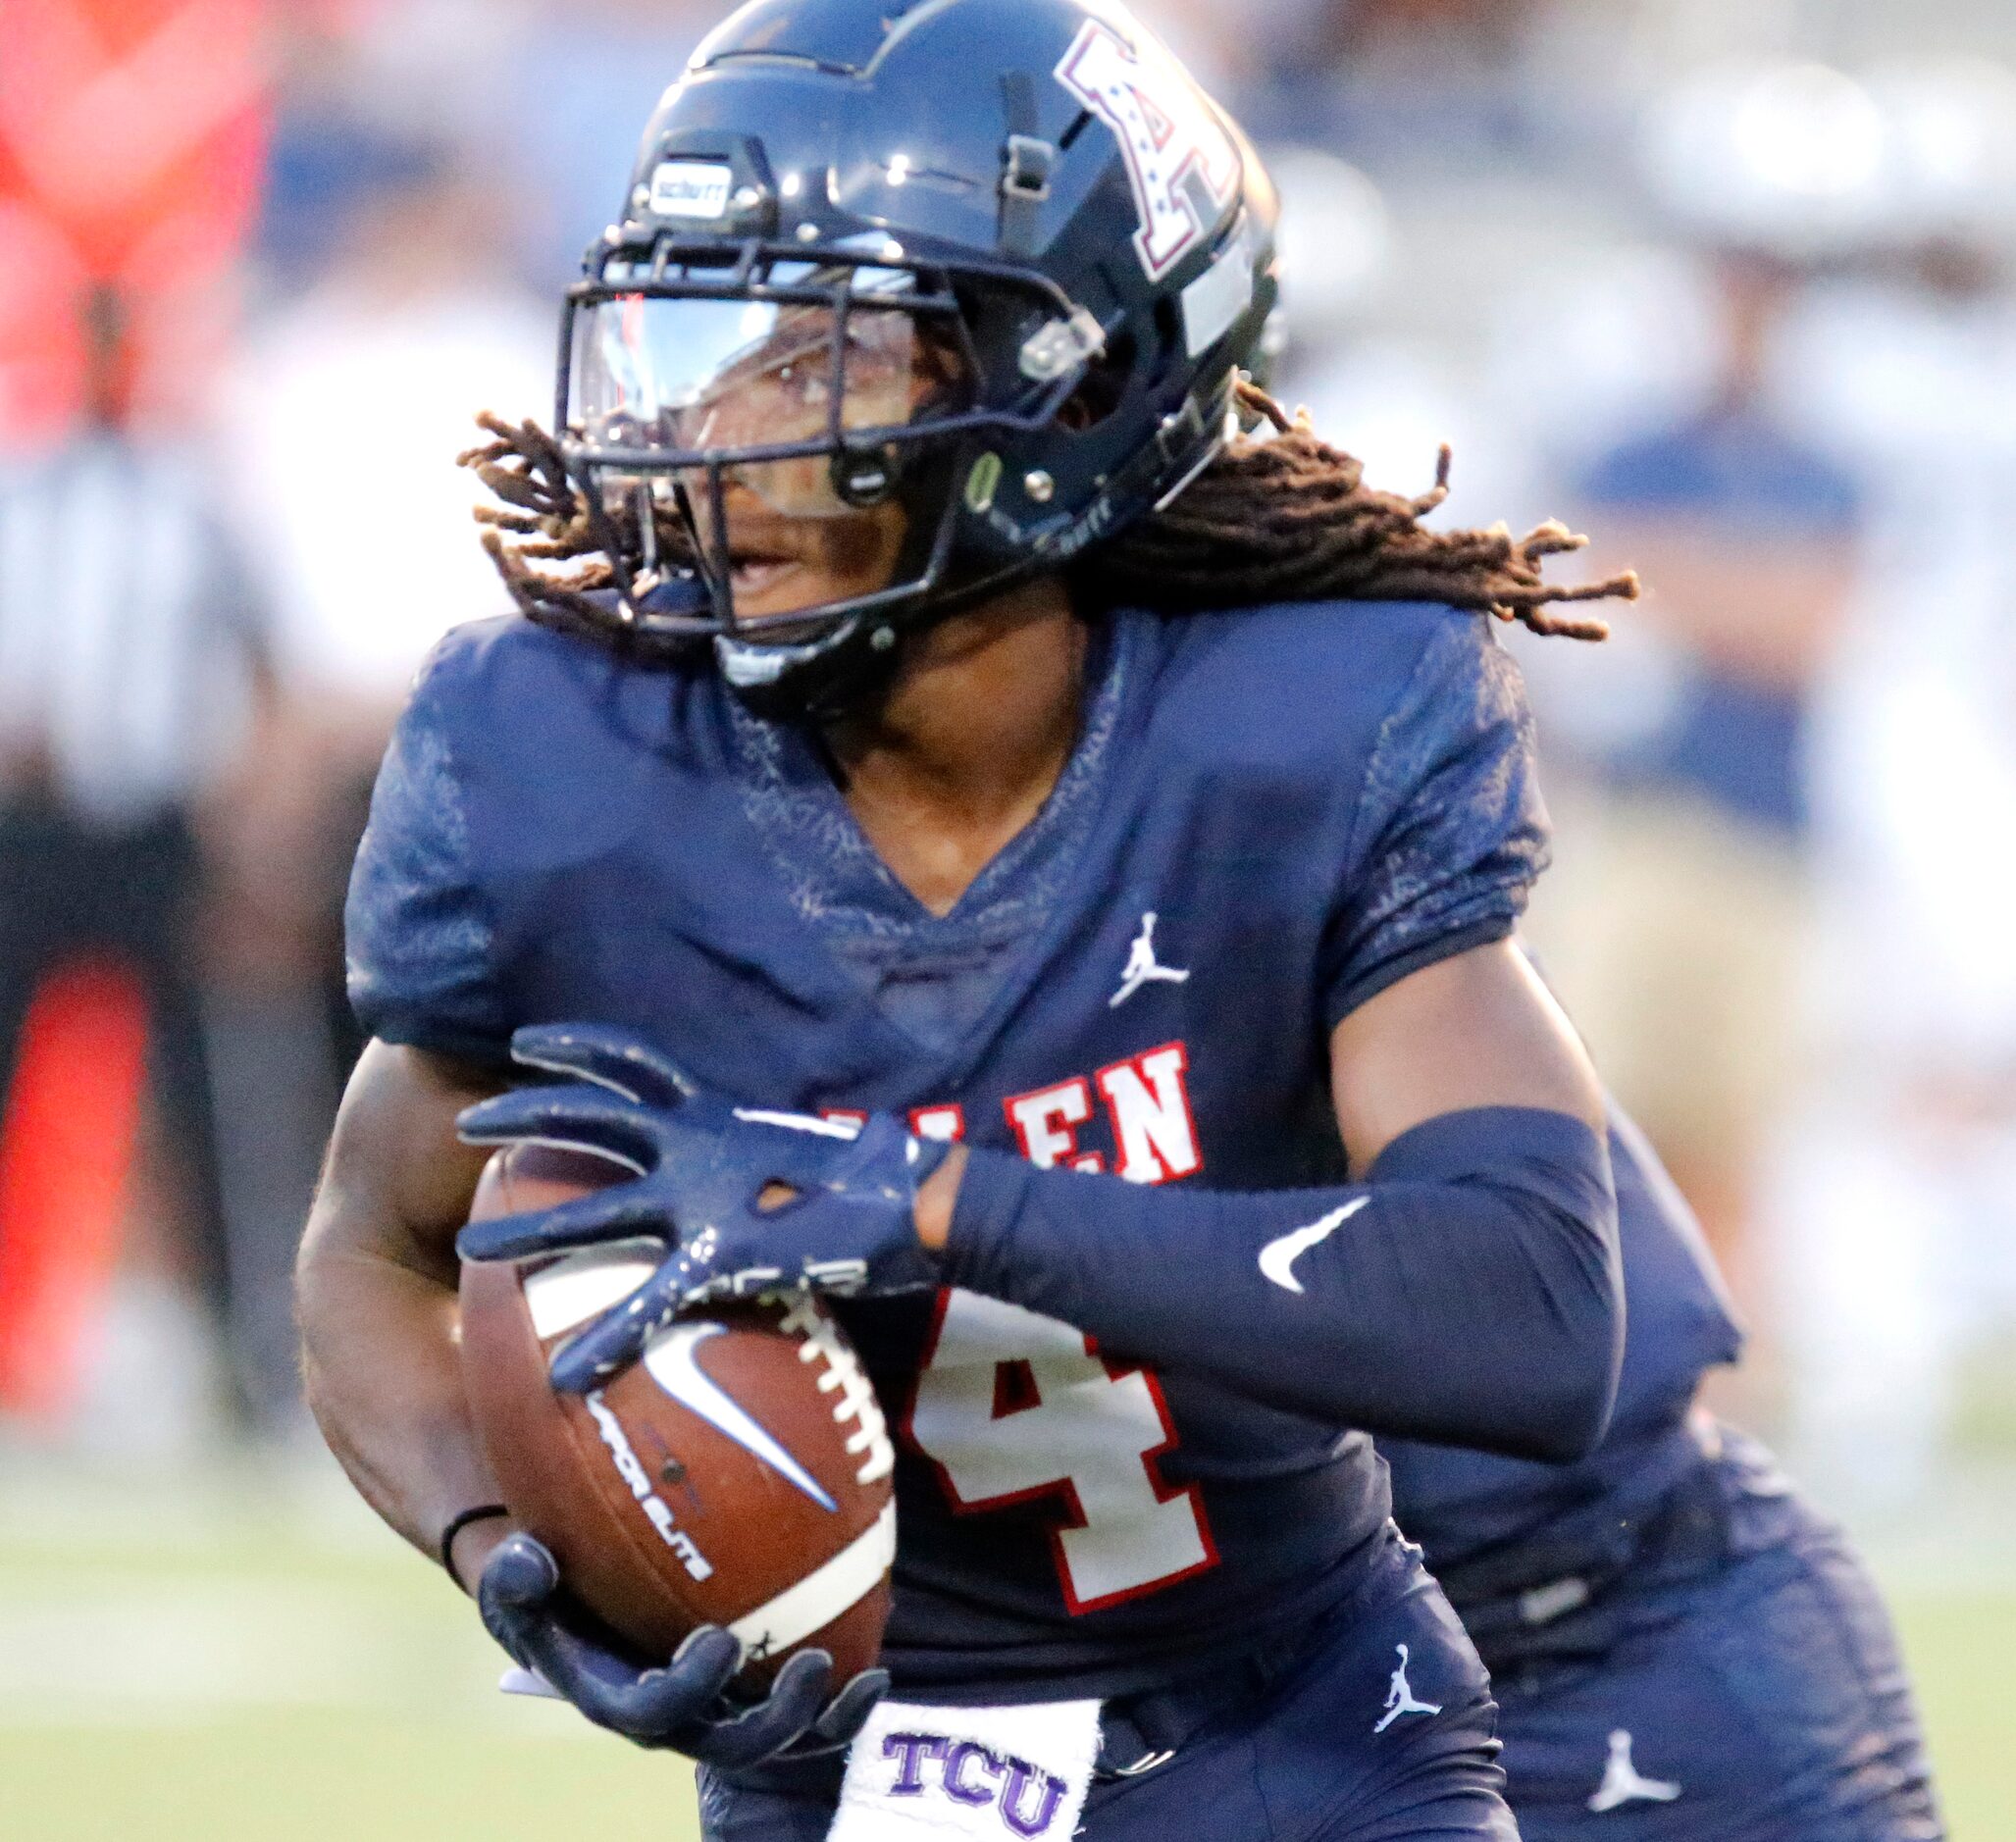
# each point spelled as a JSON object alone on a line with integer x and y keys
{"x": 1013, "y": 1406}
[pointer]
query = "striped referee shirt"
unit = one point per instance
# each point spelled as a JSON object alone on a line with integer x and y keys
{"x": 127, "y": 631}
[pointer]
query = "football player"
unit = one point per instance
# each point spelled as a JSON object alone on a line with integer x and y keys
{"x": 1033, "y": 867}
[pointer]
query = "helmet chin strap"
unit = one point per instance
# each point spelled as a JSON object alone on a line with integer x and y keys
{"x": 751, "y": 667}
{"x": 814, "y": 681}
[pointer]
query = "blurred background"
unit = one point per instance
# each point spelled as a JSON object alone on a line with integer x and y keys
{"x": 1729, "y": 284}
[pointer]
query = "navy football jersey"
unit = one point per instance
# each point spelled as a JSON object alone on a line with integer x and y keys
{"x": 1270, "y": 816}
{"x": 1514, "y": 1524}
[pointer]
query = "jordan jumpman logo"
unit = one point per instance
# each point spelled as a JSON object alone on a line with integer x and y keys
{"x": 1622, "y": 1782}
{"x": 1400, "y": 1698}
{"x": 1141, "y": 965}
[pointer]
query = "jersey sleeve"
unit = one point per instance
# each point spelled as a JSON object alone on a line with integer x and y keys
{"x": 419, "y": 934}
{"x": 1449, "y": 832}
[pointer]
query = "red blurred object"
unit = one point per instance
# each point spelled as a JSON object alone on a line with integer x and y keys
{"x": 66, "y": 1159}
{"x": 43, "y": 363}
{"x": 133, "y": 140}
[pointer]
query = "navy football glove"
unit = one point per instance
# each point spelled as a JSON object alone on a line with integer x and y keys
{"x": 681, "y": 1705}
{"x": 848, "y": 1226}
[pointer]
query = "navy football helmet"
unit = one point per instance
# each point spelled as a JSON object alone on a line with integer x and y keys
{"x": 985, "y": 264}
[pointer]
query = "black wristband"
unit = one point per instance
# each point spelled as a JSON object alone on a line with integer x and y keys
{"x": 482, "y": 1512}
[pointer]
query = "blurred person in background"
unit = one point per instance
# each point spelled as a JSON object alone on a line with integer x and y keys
{"x": 133, "y": 655}
{"x": 1677, "y": 924}
{"x": 1894, "y": 1191}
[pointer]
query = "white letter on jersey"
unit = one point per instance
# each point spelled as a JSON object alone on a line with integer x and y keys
{"x": 1149, "y": 1108}
{"x": 947, "y": 1123}
{"x": 1180, "y": 161}
{"x": 1044, "y": 1124}
{"x": 1090, "y": 1436}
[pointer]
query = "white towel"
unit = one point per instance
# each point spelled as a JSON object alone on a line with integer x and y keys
{"x": 948, "y": 1773}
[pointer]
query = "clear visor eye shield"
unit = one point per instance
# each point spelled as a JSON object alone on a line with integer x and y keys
{"x": 724, "y": 405}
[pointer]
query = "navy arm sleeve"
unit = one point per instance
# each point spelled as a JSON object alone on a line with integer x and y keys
{"x": 1449, "y": 832}
{"x": 1468, "y": 1292}
{"x": 420, "y": 933}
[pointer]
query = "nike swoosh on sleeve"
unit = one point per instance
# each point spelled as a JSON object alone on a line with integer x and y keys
{"x": 1278, "y": 1258}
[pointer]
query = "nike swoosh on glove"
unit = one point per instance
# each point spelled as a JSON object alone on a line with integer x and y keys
{"x": 682, "y": 1706}
{"x": 849, "y": 1227}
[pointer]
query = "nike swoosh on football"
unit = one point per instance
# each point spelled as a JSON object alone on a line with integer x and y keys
{"x": 1278, "y": 1258}
{"x": 672, "y": 1364}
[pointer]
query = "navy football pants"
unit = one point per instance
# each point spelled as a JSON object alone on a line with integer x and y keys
{"x": 1304, "y": 1765}
{"x": 1764, "y": 1701}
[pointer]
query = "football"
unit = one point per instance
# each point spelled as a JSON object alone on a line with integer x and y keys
{"x": 737, "y": 1474}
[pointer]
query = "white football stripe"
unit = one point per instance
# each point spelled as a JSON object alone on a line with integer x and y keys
{"x": 824, "y": 1593}
{"x": 582, "y": 1286}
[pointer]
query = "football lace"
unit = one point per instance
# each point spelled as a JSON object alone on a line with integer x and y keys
{"x": 844, "y": 1373}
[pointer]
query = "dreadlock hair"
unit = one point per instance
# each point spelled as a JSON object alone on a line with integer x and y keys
{"x": 1281, "y": 517}
{"x": 1289, "y": 518}
{"x": 545, "y": 522}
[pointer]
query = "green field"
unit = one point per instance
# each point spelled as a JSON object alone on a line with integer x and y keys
{"x": 236, "y": 1664}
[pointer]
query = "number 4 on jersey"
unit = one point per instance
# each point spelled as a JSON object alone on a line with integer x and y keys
{"x": 1012, "y": 1405}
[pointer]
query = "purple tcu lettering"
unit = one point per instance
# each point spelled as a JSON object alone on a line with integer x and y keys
{"x": 1050, "y": 1791}
{"x": 957, "y": 1786}
{"x": 971, "y": 1774}
{"x": 915, "y": 1748}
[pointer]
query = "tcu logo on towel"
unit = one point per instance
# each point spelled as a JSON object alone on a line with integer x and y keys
{"x": 1180, "y": 161}
{"x": 1024, "y": 1796}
